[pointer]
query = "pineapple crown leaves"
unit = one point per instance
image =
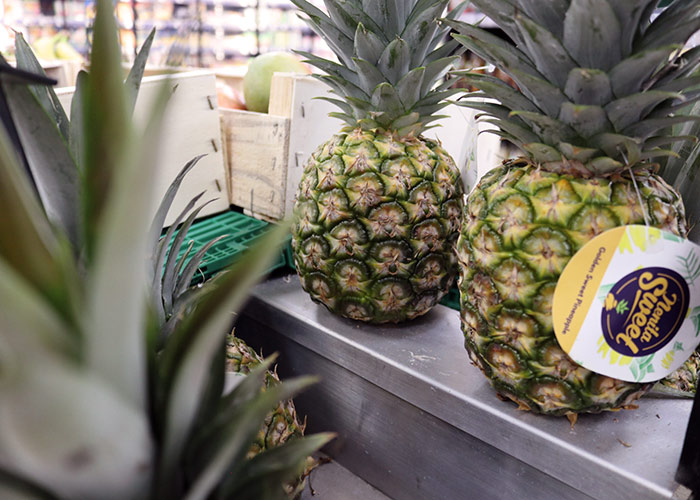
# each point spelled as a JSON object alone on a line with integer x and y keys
{"x": 390, "y": 59}
{"x": 74, "y": 335}
{"x": 600, "y": 83}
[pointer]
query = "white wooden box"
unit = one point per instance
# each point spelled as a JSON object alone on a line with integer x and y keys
{"x": 265, "y": 153}
{"x": 191, "y": 128}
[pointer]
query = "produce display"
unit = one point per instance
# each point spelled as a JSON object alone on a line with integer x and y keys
{"x": 378, "y": 207}
{"x": 599, "y": 89}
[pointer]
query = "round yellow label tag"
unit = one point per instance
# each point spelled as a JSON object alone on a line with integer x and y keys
{"x": 627, "y": 305}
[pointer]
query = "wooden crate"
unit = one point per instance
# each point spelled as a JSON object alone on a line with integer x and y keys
{"x": 265, "y": 153}
{"x": 191, "y": 128}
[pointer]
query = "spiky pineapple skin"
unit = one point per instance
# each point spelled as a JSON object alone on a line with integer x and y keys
{"x": 521, "y": 226}
{"x": 376, "y": 219}
{"x": 685, "y": 378}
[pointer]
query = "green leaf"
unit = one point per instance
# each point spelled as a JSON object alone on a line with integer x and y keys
{"x": 27, "y": 242}
{"x": 500, "y": 90}
{"x": 385, "y": 98}
{"x": 615, "y": 145}
{"x": 604, "y": 165}
{"x": 395, "y": 60}
{"x": 185, "y": 276}
{"x": 633, "y": 16}
{"x": 549, "y": 56}
{"x": 447, "y": 49}
{"x": 586, "y": 120}
{"x": 435, "y": 71}
{"x": 647, "y": 128}
{"x": 409, "y": 87}
{"x": 158, "y": 259}
{"x": 239, "y": 433}
{"x": 546, "y": 96}
{"x": 44, "y": 93}
{"x": 524, "y": 134}
{"x": 38, "y": 412}
{"x": 675, "y": 25}
{"x": 106, "y": 122}
{"x": 159, "y": 218}
{"x": 340, "y": 18}
{"x": 369, "y": 75}
{"x": 592, "y": 34}
{"x": 576, "y": 152}
{"x": 493, "y": 49}
{"x": 338, "y": 41}
{"x": 421, "y": 27}
{"x": 343, "y": 88}
{"x": 206, "y": 439}
{"x": 347, "y": 108}
{"x": 405, "y": 121}
{"x": 29, "y": 321}
{"x": 549, "y": 14}
{"x": 115, "y": 314}
{"x": 630, "y": 75}
{"x": 49, "y": 159}
{"x": 542, "y": 152}
{"x": 76, "y": 132}
{"x": 633, "y": 108}
{"x": 169, "y": 274}
{"x": 548, "y": 129}
{"x": 588, "y": 86}
{"x": 354, "y": 9}
{"x": 368, "y": 45}
{"x": 133, "y": 79}
{"x": 284, "y": 463}
{"x": 389, "y": 15}
{"x": 502, "y": 12}
{"x": 330, "y": 67}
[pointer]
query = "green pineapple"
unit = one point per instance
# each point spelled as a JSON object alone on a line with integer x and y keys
{"x": 600, "y": 86}
{"x": 378, "y": 206}
{"x": 90, "y": 408}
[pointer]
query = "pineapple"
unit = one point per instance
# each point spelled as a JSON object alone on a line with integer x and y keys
{"x": 378, "y": 207}
{"x": 176, "y": 298}
{"x": 600, "y": 85}
{"x": 89, "y": 408}
{"x": 282, "y": 423}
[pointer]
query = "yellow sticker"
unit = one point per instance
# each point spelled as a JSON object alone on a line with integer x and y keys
{"x": 627, "y": 305}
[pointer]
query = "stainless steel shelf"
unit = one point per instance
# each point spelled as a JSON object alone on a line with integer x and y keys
{"x": 416, "y": 420}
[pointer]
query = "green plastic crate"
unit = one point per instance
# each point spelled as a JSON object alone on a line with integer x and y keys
{"x": 240, "y": 230}
{"x": 451, "y": 300}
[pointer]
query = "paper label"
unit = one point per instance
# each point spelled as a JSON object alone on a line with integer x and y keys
{"x": 627, "y": 305}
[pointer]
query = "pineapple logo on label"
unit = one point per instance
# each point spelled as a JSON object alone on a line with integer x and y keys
{"x": 644, "y": 310}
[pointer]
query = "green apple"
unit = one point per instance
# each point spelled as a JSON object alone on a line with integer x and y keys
{"x": 256, "y": 83}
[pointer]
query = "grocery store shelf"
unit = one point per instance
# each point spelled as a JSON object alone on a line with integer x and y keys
{"x": 416, "y": 420}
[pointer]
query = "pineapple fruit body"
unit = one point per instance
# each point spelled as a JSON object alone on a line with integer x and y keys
{"x": 376, "y": 219}
{"x": 522, "y": 225}
{"x": 378, "y": 207}
{"x": 598, "y": 111}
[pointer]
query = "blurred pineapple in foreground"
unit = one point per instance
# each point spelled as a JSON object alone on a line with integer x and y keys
{"x": 98, "y": 399}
